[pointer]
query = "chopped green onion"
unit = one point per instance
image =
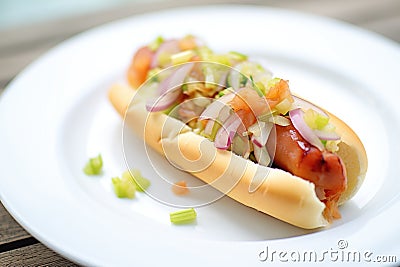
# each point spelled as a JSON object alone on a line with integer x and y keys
{"x": 140, "y": 183}
{"x": 156, "y": 43}
{"x": 93, "y": 166}
{"x": 255, "y": 87}
{"x": 225, "y": 91}
{"x": 153, "y": 74}
{"x": 164, "y": 59}
{"x": 315, "y": 120}
{"x": 124, "y": 188}
{"x": 321, "y": 122}
{"x": 182, "y": 57}
{"x": 221, "y": 59}
{"x": 170, "y": 109}
{"x": 261, "y": 86}
{"x": 183, "y": 216}
{"x": 237, "y": 56}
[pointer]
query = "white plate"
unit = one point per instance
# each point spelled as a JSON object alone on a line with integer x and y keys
{"x": 55, "y": 115}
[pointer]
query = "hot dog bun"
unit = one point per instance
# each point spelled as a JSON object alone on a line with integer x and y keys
{"x": 281, "y": 195}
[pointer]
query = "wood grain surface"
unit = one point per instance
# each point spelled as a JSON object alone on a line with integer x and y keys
{"x": 21, "y": 46}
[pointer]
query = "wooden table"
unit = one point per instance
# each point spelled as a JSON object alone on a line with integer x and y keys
{"x": 21, "y": 46}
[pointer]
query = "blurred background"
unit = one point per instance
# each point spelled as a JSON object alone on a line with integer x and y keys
{"x": 21, "y": 12}
{"x": 374, "y": 13}
{"x": 29, "y": 28}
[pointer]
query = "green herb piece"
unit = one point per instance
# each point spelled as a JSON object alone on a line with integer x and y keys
{"x": 225, "y": 91}
{"x": 315, "y": 120}
{"x": 237, "y": 56}
{"x": 124, "y": 188}
{"x": 93, "y": 166}
{"x": 140, "y": 183}
{"x": 156, "y": 43}
{"x": 255, "y": 87}
{"x": 182, "y": 57}
{"x": 153, "y": 74}
{"x": 183, "y": 216}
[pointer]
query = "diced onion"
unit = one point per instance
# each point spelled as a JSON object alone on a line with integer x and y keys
{"x": 256, "y": 141}
{"x": 303, "y": 104}
{"x": 213, "y": 110}
{"x": 255, "y": 129}
{"x": 222, "y": 80}
{"x": 175, "y": 79}
{"x": 169, "y": 89}
{"x": 227, "y": 132}
{"x": 261, "y": 132}
{"x": 234, "y": 79}
{"x": 182, "y": 57}
{"x": 209, "y": 127}
{"x": 163, "y": 102}
{"x": 241, "y": 146}
{"x": 217, "y": 110}
{"x": 280, "y": 120}
{"x": 306, "y": 132}
{"x": 262, "y": 155}
{"x": 324, "y": 135}
{"x": 168, "y": 47}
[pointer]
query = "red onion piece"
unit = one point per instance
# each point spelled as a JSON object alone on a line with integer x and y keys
{"x": 227, "y": 132}
{"x": 163, "y": 102}
{"x": 326, "y": 135}
{"x": 296, "y": 116}
{"x": 169, "y": 89}
{"x": 256, "y": 141}
{"x": 167, "y": 47}
{"x": 176, "y": 79}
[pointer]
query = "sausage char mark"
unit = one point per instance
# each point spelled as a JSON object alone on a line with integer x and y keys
{"x": 325, "y": 169}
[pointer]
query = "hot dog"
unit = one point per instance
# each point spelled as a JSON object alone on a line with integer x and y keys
{"x": 305, "y": 161}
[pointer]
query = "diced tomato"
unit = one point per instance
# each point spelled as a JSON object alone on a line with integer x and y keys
{"x": 248, "y": 105}
{"x": 278, "y": 93}
{"x": 180, "y": 188}
{"x": 187, "y": 43}
{"x": 140, "y": 66}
